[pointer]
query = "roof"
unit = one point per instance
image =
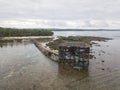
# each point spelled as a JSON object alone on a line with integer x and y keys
{"x": 75, "y": 44}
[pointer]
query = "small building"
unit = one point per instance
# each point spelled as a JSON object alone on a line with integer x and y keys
{"x": 74, "y": 52}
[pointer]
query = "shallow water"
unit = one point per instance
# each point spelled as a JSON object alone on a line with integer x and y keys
{"x": 113, "y": 34}
{"x": 24, "y": 67}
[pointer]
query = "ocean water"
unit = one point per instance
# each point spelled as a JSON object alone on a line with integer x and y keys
{"x": 24, "y": 67}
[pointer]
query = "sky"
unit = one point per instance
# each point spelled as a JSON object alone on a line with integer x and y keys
{"x": 77, "y": 14}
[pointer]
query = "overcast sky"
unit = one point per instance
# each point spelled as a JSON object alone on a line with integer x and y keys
{"x": 60, "y": 13}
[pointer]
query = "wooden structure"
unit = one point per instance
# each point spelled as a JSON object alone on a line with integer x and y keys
{"x": 74, "y": 52}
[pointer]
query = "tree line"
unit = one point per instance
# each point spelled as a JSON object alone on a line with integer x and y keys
{"x": 9, "y": 32}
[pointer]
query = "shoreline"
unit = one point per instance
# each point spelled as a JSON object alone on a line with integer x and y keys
{"x": 90, "y": 40}
{"x": 26, "y": 37}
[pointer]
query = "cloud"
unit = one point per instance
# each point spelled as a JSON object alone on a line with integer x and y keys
{"x": 62, "y": 9}
{"x": 73, "y": 24}
{"x": 60, "y": 13}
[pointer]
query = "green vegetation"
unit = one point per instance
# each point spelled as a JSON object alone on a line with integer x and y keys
{"x": 44, "y": 39}
{"x": 8, "y": 32}
{"x": 72, "y": 38}
{"x": 87, "y": 39}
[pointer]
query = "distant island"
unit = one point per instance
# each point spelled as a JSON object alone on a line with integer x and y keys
{"x": 84, "y": 29}
{"x": 12, "y": 32}
{"x": 76, "y": 29}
